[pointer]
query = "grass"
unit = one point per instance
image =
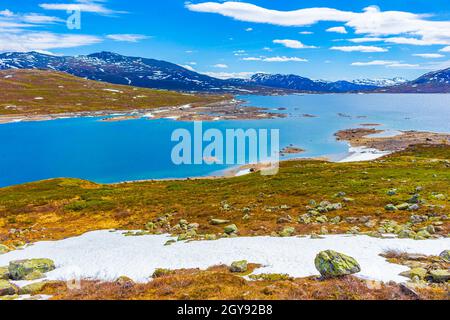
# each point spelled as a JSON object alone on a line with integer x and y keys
{"x": 58, "y": 208}
{"x": 218, "y": 283}
{"x": 61, "y": 93}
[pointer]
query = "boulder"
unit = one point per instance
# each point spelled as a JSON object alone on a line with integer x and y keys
{"x": 124, "y": 281}
{"x": 33, "y": 289}
{"x": 4, "y": 273}
{"x": 403, "y": 206}
{"x": 322, "y": 219}
{"x": 7, "y": 288}
{"x": 4, "y": 249}
{"x": 440, "y": 275}
{"x": 391, "y": 192}
{"x": 287, "y": 232}
{"x": 31, "y": 269}
{"x": 420, "y": 273}
{"x": 333, "y": 264}
{"x": 390, "y": 207}
{"x": 445, "y": 255}
{"x": 217, "y": 222}
{"x": 304, "y": 219}
{"x": 239, "y": 266}
{"x": 232, "y": 228}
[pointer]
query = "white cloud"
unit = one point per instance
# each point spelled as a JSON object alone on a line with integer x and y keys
{"x": 359, "y": 49}
{"x": 275, "y": 59}
{"x": 35, "y": 41}
{"x": 249, "y": 29}
{"x": 294, "y": 44}
{"x": 229, "y": 75}
{"x": 220, "y": 66}
{"x": 91, "y": 6}
{"x": 386, "y": 63}
{"x": 337, "y": 30}
{"x": 6, "y": 13}
{"x": 39, "y": 18}
{"x": 371, "y": 21}
{"x": 186, "y": 66}
{"x": 127, "y": 37}
{"x": 446, "y": 49}
{"x": 366, "y": 39}
{"x": 306, "y": 32}
{"x": 239, "y": 53}
{"x": 374, "y": 63}
{"x": 429, "y": 55}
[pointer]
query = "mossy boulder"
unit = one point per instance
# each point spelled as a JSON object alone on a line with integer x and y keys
{"x": 333, "y": 264}
{"x": 161, "y": 273}
{"x": 445, "y": 255}
{"x": 31, "y": 269}
{"x": 124, "y": 281}
{"x": 4, "y": 273}
{"x": 33, "y": 289}
{"x": 390, "y": 207}
{"x": 7, "y": 288}
{"x": 239, "y": 266}
{"x": 420, "y": 273}
{"x": 4, "y": 249}
{"x": 232, "y": 228}
{"x": 287, "y": 232}
{"x": 440, "y": 275}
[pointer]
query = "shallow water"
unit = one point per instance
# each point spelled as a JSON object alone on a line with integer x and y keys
{"x": 108, "y": 152}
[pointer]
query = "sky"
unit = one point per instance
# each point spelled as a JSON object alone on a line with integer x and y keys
{"x": 319, "y": 39}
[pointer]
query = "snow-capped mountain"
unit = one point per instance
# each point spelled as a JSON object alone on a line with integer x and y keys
{"x": 295, "y": 82}
{"x": 382, "y": 82}
{"x": 433, "y": 82}
{"x": 118, "y": 69}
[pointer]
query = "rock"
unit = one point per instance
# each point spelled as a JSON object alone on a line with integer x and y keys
{"x": 347, "y": 200}
{"x": 445, "y": 255}
{"x": 414, "y": 199}
{"x": 183, "y": 222}
{"x": 439, "y": 196}
{"x": 232, "y": 228}
{"x": 33, "y": 289}
{"x": 194, "y": 226}
{"x": 246, "y": 217}
{"x": 124, "y": 281}
{"x": 239, "y": 266}
{"x": 340, "y": 194}
{"x": 4, "y": 273}
{"x": 440, "y": 275}
{"x": 403, "y": 206}
{"x": 316, "y": 236}
{"x": 187, "y": 235}
{"x": 287, "y": 232}
{"x": 416, "y": 219}
{"x": 421, "y": 273}
{"x": 210, "y": 237}
{"x": 390, "y": 207}
{"x": 391, "y": 192}
{"x": 324, "y": 230}
{"x": 304, "y": 219}
{"x": 422, "y": 235}
{"x": 4, "y": 249}
{"x": 336, "y": 220}
{"x": 322, "y": 219}
{"x": 414, "y": 207}
{"x": 333, "y": 264}
{"x": 169, "y": 242}
{"x": 216, "y": 222}
{"x": 7, "y": 288}
{"x": 354, "y": 230}
{"x": 287, "y": 219}
{"x": 150, "y": 226}
{"x": 430, "y": 229}
{"x": 371, "y": 223}
{"x": 30, "y": 269}
{"x": 406, "y": 233}
{"x": 161, "y": 273}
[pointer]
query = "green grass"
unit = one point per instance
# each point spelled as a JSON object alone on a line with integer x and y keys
{"x": 61, "y": 207}
{"x": 63, "y": 93}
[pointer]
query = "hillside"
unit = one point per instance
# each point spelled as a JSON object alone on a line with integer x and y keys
{"x": 433, "y": 82}
{"x": 32, "y": 92}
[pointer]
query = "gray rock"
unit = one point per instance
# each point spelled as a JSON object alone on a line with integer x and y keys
{"x": 239, "y": 266}
{"x": 333, "y": 264}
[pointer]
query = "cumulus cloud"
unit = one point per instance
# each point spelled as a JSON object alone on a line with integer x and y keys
{"x": 306, "y": 32}
{"x": 359, "y": 49}
{"x": 275, "y": 59}
{"x": 446, "y": 49}
{"x": 293, "y": 44}
{"x": 41, "y": 41}
{"x": 127, "y": 37}
{"x": 337, "y": 30}
{"x": 370, "y": 21}
{"x": 429, "y": 55}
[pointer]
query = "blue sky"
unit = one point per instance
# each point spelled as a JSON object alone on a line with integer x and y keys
{"x": 320, "y": 39}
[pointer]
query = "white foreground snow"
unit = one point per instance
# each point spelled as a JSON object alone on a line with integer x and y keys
{"x": 106, "y": 255}
{"x": 357, "y": 154}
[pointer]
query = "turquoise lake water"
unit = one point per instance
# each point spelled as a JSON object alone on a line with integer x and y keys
{"x": 108, "y": 152}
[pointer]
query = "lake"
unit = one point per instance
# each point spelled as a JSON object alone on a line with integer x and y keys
{"x": 108, "y": 152}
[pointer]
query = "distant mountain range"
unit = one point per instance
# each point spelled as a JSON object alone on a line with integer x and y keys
{"x": 149, "y": 73}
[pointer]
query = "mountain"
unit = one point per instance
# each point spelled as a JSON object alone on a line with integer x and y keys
{"x": 381, "y": 82}
{"x": 117, "y": 69}
{"x": 433, "y": 82}
{"x": 298, "y": 83}
{"x": 31, "y": 92}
